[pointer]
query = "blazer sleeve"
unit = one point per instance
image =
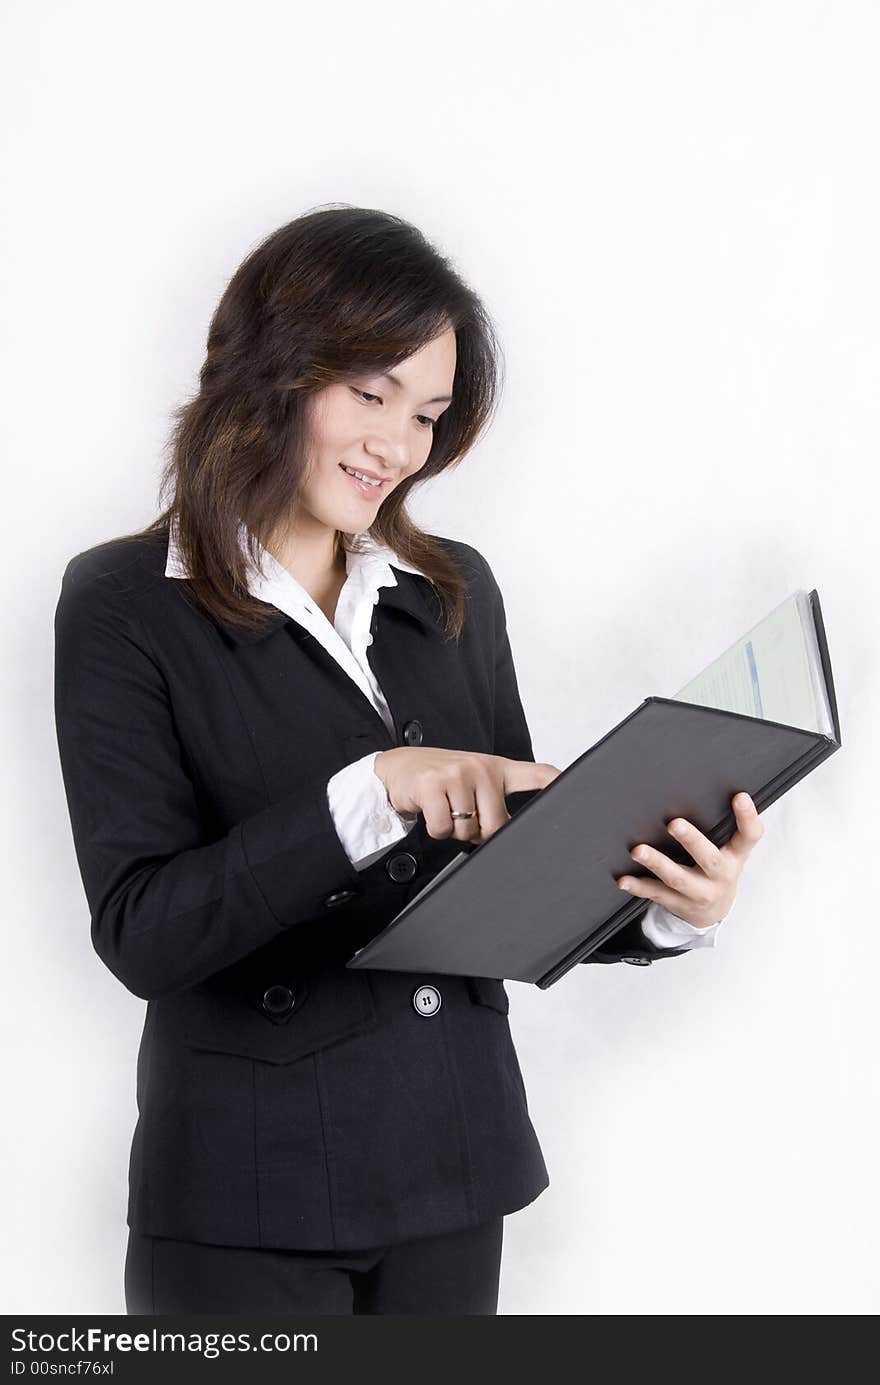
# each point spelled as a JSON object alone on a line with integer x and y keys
{"x": 169, "y": 905}
{"x": 511, "y": 738}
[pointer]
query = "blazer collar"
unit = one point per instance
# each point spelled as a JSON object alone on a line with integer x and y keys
{"x": 409, "y": 595}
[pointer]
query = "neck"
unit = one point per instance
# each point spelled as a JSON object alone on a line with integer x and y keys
{"x": 310, "y": 553}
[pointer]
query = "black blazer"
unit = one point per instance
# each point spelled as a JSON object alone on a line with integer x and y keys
{"x": 283, "y": 1100}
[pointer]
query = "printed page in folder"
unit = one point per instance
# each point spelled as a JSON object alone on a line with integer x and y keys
{"x": 774, "y": 672}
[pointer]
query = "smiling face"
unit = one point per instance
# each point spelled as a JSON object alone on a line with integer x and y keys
{"x": 381, "y": 425}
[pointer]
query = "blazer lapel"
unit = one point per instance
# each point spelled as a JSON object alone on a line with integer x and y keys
{"x": 413, "y": 596}
{"x": 274, "y": 621}
{"x": 415, "y": 665}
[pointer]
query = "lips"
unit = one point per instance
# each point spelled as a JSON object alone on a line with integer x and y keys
{"x": 363, "y": 471}
{"x": 363, "y": 488}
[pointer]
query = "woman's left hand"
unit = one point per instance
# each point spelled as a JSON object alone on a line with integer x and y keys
{"x": 701, "y": 894}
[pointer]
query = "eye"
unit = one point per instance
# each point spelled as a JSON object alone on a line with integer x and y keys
{"x": 422, "y": 418}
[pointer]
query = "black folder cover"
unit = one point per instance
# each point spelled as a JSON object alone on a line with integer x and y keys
{"x": 540, "y": 894}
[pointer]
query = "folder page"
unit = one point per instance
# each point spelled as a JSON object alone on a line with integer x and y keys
{"x": 773, "y": 672}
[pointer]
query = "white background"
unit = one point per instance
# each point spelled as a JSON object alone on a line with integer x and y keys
{"x": 671, "y": 211}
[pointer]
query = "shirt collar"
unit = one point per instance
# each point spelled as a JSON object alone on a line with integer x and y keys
{"x": 368, "y": 558}
{"x": 369, "y": 565}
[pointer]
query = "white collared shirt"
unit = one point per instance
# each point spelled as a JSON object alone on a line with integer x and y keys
{"x": 366, "y": 823}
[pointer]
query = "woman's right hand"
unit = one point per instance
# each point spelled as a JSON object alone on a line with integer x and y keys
{"x": 433, "y": 782}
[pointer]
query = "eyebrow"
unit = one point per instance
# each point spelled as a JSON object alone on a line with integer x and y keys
{"x": 395, "y": 380}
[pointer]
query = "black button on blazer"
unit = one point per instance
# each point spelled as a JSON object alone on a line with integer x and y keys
{"x": 283, "y": 1100}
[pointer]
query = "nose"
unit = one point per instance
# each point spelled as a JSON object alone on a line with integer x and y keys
{"x": 391, "y": 448}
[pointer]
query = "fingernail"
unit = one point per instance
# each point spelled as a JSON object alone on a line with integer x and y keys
{"x": 623, "y": 884}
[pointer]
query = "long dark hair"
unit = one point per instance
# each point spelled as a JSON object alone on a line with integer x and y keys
{"x": 337, "y": 293}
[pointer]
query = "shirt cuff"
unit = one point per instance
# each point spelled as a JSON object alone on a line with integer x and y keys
{"x": 365, "y": 822}
{"x": 667, "y": 930}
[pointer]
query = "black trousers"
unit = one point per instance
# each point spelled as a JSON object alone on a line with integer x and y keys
{"x": 453, "y": 1274}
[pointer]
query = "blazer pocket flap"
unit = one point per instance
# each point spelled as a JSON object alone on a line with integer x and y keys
{"x": 276, "y": 1018}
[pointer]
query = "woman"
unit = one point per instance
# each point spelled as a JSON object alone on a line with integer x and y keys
{"x": 281, "y": 709}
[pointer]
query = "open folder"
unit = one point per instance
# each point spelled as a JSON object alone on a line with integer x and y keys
{"x": 540, "y": 894}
